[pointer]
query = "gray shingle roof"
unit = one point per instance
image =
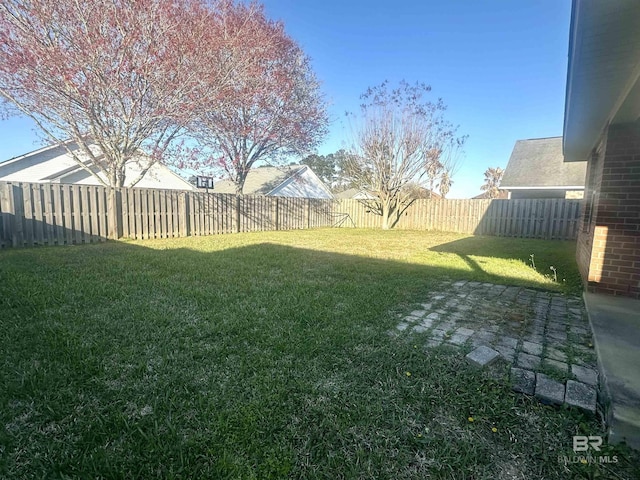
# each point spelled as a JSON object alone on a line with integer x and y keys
{"x": 261, "y": 180}
{"x": 539, "y": 163}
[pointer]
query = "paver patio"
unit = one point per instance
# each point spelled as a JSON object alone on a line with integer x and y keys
{"x": 545, "y": 336}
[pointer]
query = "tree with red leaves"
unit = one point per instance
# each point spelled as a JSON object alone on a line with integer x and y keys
{"x": 270, "y": 109}
{"x": 107, "y": 79}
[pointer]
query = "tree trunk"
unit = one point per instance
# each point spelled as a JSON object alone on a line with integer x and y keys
{"x": 385, "y": 215}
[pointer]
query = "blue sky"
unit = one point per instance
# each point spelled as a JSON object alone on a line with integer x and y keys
{"x": 499, "y": 65}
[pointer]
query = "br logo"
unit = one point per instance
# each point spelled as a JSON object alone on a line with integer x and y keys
{"x": 582, "y": 443}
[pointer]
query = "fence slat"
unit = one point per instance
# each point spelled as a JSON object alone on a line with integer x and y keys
{"x": 48, "y": 212}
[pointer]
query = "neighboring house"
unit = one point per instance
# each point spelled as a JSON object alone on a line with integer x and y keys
{"x": 355, "y": 193}
{"x": 290, "y": 181}
{"x": 358, "y": 194}
{"x": 502, "y": 195}
{"x": 53, "y": 164}
{"x": 536, "y": 169}
{"x": 602, "y": 127}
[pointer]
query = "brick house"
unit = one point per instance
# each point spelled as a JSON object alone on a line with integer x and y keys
{"x": 602, "y": 126}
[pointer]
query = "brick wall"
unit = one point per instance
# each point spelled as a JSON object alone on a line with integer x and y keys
{"x": 593, "y": 180}
{"x": 608, "y": 251}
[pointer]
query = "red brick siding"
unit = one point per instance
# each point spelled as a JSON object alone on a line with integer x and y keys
{"x": 609, "y": 248}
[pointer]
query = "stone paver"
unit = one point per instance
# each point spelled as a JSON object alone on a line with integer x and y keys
{"x": 530, "y": 362}
{"x": 507, "y": 353}
{"x": 485, "y": 336}
{"x": 508, "y": 342}
{"x": 482, "y": 356}
{"x": 458, "y": 339}
{"x": 532, "y": 348}
{"x": 560, "y": 366}
{"x": 530, "y": 329}
{"x": 465, "y": 331}
{"x": 548, "y": 390}
{"x": 581, "y": 395}
{"x": 438, "y": 334}
{"x": 523, "y": 381}
{"x": 556, "y": 354}
{"x": 585, "y": 375}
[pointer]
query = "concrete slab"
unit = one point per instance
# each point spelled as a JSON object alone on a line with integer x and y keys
{"x": 482, "y": 356}
{"x": 615, "y": 322}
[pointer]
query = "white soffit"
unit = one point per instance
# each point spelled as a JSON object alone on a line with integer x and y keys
{"x": 603, "y": 72}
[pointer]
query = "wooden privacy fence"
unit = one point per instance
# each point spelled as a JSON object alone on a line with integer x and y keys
{"x": 551, "y": 219}
{"x": 55, "y": 214}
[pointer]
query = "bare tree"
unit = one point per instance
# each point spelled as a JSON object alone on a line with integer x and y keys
{"x": 397, "y": 138}
{"x": 492, "y": 178}
{"x": 107, "y": 79}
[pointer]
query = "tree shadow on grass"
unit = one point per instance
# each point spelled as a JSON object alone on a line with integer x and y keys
{"x": 539, "y": 255}
{"x": 238, "y": 362}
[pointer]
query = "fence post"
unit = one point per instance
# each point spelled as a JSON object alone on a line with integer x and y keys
{"x": 308, "y": 213}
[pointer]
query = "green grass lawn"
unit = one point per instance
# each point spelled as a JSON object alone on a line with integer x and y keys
{"x": 266, "y": 355}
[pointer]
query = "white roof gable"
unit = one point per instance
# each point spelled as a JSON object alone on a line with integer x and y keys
{"x": 54, "y": 165}
{"x": 304, "y": 184}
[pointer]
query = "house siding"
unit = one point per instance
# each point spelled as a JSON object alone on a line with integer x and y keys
{"x": 55, "y": 165}
{"x": 544, "y": 193}
{"x": 608, "y": 250}
{"x": 303, "y": 185}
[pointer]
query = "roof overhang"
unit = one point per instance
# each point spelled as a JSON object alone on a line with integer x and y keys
{"x": 563, "y": 187}
{"x": 603, "y": 75}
